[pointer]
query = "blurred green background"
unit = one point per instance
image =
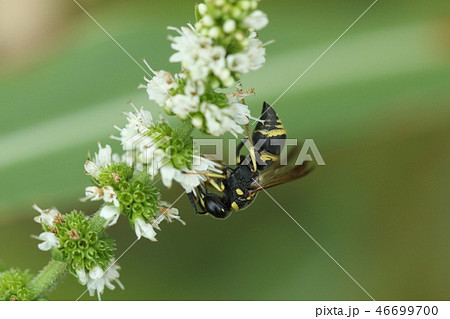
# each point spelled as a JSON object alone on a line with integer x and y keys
{"x": 377, "y": 106}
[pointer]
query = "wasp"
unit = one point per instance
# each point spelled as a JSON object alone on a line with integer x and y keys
{"x": 261, "y": 169}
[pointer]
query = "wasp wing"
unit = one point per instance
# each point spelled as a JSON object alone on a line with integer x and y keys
{"x": 286, "y": 159}
{"x": 280, "y": 175}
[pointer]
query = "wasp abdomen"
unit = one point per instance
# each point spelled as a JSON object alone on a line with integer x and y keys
{"x": 269, "y": 136}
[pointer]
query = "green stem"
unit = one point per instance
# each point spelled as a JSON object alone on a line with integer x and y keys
{"x": 97, "y": 222}
{"x": 184, "y": 130}
{"x": 46, "y": 278}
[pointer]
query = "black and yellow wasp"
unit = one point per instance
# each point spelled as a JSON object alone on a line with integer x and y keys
{"x": 259, "y": 170}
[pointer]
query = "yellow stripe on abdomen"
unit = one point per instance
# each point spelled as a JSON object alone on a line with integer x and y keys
{"x": 272, "y": 133}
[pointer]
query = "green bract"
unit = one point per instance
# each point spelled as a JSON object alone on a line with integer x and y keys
{"x": 113, "y": 175}
{"x": 177, "y": 145}
{"x": 12, "y": 285}
{"x": 138, "y": 198}
{"x": 83, "y": 242}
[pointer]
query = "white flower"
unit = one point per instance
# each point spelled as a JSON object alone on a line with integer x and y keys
{"x": 191, "y": 178}
{"x": 218, "y": 120}
{"x": 216, "y": 57}
{"x": 104, "y": 155}
{"x": 168, "y": 173}
{"x": 131, "y": 138}
{"x": 128, "y": 136}
{"x": 194, "y": 88}
{"x": 203, "y": 165}
{"x": 93, "y": 193}
{"x": 46, "y": 215}
{"x": 110, "y": 214}
{"x": 252, "y": 58}
{"x": 134, "y": 134}
{"x": 198, "y": 71}
{"x": 102, "y": 159}
{"x": 97, "y": 279}
{"x": 238, "y": 62}
{"x": 257, "y": 20}
{"x": 159, "y": 86}
{"x": 91, "y": 169}
{"x": 144, "y": 229}
{"x": 169, "y": 213}
{"x": 49, "y": 240}
{"x": 156, "y": 161}
{"x": 213, "y": 118}
{"x": 112, "y": 274}
{"x": 189, "y": 45}
{"x": 106, "y": 193}
{"x": 140, "y": 119}
{"x": 110, "y": 196}
{"x": 182, "y": 104}
{"x": 240, "y": 112}
{"x": 256, "y": 53}
{"x": 128, "y": 158}
{"x": 96, "y": 272}
{"x": 82, "y": 276}
{"x": 198, "y": 56}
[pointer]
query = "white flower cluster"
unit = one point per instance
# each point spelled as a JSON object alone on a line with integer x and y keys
{"x": 150, "y": 144}
{"x": 96, "y": 279}
{"x": 138, "y": 122}
{"x": 213, "y": 55}
{"x": 199, "y": 57}
{"x": 102, "y": 159}
{"x": 189, "y": 100}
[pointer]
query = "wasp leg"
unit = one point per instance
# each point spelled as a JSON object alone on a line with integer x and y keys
{"x": 220, "y": 187}
{"x": 207, "y": 174}
{"x": 251, "y": 149}
{"x": 194, "y": 204}
{"x": 238, "y": 151}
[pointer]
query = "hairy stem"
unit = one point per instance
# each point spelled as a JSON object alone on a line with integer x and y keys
{"x": 46, "y": 278}
{"x": 184, "y": 130}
